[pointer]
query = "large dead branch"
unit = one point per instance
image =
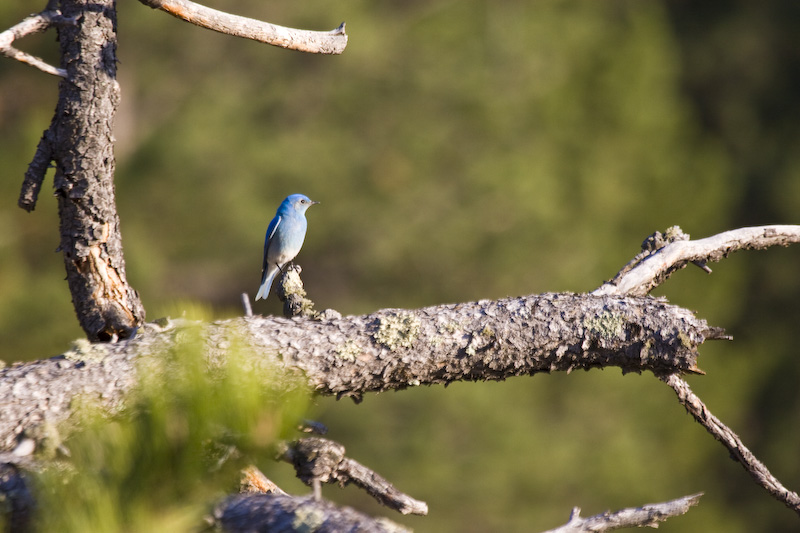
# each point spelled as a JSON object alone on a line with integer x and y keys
{"x": 387, "y": 350}
{"x": 317, "y": 42}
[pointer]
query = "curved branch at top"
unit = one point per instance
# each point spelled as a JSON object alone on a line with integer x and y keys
{"x": 316, "y": 42}
{"x": 651, "y": 268}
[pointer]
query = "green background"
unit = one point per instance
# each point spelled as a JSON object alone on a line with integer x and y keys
{"x": 463, "y": 150}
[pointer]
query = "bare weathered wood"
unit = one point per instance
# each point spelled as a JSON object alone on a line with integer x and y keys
{"x": 728, "y": 438}
{"x": 388, "y": 350}
{"x": 674, "y": 251}
{"x": 645, "y": 516}
{"x": 316, "y": 42}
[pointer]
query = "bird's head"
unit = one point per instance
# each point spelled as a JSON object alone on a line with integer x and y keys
{"x": 299, "y": 202}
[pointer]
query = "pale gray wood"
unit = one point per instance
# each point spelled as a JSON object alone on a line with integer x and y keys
{"x": 645, "y": 516}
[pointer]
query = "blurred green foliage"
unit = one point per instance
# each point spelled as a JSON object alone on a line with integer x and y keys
{"x": 464, "y": 150}
{"x": 178, "y": 445}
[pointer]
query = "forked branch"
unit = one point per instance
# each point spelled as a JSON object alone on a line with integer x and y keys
{"x": 33, "y": 24}
{"x": 664, "y": 254}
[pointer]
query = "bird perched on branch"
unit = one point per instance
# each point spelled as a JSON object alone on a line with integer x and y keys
{"x": 285, "y": 235}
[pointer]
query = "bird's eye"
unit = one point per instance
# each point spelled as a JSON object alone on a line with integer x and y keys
{"x": 302, "y": 201}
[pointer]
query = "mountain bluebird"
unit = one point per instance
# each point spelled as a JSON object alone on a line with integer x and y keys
{"x": 285, "y": 236}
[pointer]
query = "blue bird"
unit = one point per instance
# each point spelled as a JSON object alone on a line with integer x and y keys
{"x": 285, "y": 235}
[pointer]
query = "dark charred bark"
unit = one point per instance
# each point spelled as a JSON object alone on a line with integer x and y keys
{"x": 80, "y": 142}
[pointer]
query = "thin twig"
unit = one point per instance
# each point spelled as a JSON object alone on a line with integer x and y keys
{"x": 646, "y": 516}
{"x": 33, "y": 24}
{"x": 248, "y": 309}
{"x": 732, "y": 442}
{"x": 316, "y": 42}
{"x": 653, "y": 267}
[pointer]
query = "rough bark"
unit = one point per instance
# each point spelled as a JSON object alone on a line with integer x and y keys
{"x": 80, "y": 142}
{"x": 387, "y": 350}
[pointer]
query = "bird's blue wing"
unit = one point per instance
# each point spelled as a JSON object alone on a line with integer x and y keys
{"x": 271, "y": 229}
{"x": 267, "y": 273}
{"x": 273, "y": 226}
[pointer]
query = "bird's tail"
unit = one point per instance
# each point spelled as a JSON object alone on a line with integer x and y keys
{"x": 266, "y": 282}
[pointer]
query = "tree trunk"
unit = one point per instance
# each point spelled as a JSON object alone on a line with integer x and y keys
{"x": 82, "y": 146}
